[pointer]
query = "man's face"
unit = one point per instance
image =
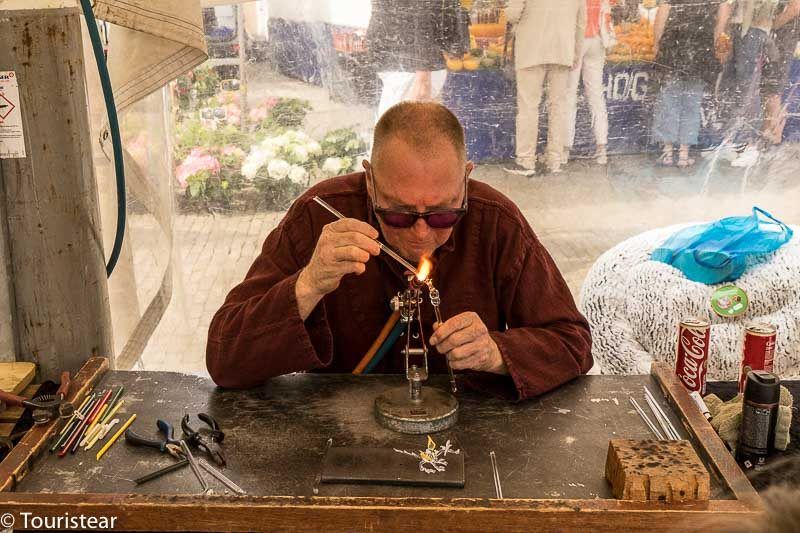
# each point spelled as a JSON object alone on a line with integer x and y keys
{"x": 405, "y": 181}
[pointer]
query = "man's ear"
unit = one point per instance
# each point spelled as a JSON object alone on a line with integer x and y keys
{"x": 469, "y": 168}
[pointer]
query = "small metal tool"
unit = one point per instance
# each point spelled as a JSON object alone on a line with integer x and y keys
{"x": 647, "y": 421}
{"x": 166, "y": 444}
{"x": 208, "y": 440}
{"x": 222, "y": 478}
{"x": 498, "y": 488}
{"x": 158, "y": 473}
{"x": 47, "y": 406}
{"x": 193, "y": 464}
{"x": 391, "y": 253}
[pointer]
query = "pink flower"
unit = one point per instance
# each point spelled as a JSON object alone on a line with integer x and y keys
{"x": 233, "y": 110}
{"x": 197, "y": 161}
{"x": 257, "y": 114}
{"x": 232, "y": 150}
{"x": 228, "y": 97}
{"x": 270, "y": 102}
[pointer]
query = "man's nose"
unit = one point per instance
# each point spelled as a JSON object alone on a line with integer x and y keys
{"x": 421, "y": 228}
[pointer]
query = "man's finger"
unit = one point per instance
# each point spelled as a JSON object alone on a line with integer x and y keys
{"x": 350, "y": 267}
{"x": 456, "y": 323}
{"x": 465, "y": 360}
{"x": 351, "y": 253}
{"x": 351, "y": 224}
{"x": 458, "y": 338}
{"x": 357, "y": 239}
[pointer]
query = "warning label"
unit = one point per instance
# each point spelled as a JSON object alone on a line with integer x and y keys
{"x": 12, "y": 138}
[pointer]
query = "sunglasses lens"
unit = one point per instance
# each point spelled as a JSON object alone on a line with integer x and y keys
{"x": 398, "y": 220}
{"x": 442, "y": 220}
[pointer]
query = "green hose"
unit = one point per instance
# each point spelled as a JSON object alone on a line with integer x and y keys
{"x": 113, "y": 125}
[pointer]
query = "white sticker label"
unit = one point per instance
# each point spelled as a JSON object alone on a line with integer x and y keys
{"x": 12, "y": 139}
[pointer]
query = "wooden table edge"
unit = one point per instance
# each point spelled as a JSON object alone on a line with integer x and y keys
{"x": 140, "y": 512}
{"x": 16, "y": 464}
{"x": 706, "y": 439}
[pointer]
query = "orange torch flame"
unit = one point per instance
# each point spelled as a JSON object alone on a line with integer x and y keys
{"x": 424, "y": 269}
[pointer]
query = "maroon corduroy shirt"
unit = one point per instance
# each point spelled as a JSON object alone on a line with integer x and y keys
{"x": 493, "y": 264}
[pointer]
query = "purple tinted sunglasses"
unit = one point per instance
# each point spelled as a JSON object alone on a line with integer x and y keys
{"x": 435, "y": 218}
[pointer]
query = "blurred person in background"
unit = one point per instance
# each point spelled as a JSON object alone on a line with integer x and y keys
{"x": 775, "y": 75}
{"x": 684, "y": 42}
{"x": 589, "y": 68}
{"x": 407, "y": 40}
{"x": 741, "y": 37}
{"x": 548, "y": 41}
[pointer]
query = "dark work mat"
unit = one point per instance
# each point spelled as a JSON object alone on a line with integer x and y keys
{"x": 415, "y": 464}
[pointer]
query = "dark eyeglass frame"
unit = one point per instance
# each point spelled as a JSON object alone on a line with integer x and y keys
{"x": 382, "y": 212}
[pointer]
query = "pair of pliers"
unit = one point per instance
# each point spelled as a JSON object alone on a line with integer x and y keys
{"x": 207, "y": 439}
{"x": 166, "y": 444}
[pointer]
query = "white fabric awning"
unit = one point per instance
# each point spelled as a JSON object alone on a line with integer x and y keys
{"x": 151, "y": 44}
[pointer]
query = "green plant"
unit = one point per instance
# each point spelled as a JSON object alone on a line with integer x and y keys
{"x": 343, "y": 142}
{"x": 287, "y": 113}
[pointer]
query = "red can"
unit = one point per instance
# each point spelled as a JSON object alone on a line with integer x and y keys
{"x": 758, "y": 350}
{"x": 691, "y": 361}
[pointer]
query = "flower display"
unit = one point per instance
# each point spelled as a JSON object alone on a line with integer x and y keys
{"x": 198, "y": 160}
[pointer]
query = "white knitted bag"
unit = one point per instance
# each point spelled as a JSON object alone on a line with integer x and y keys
{"x": 634, "y": 305}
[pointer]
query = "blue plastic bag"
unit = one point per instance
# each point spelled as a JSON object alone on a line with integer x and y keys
{"x": 716, "y": 252}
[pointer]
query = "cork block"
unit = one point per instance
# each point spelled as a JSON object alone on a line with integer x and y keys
{"x": 659, "y": 470}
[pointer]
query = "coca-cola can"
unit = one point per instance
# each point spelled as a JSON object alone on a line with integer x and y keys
{"x": 691, "y": 361}
{"x": 758, "y": 350}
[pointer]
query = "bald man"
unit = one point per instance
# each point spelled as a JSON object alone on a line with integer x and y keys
{"x": 319, "y": 293}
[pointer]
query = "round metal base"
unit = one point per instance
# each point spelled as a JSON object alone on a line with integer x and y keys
{"x": 435, "y": 411}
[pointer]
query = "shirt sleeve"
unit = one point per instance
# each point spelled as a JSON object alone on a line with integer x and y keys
{"x": 258, "y": 333}
{"x": 547, "y": 341}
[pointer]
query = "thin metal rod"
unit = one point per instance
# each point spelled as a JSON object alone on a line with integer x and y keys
{"x": 391, "y": 253}
{"x": 225, "y": 480}
{"x": 193, "y": 465}
{"x": 318, "y": 479}
{"x": 663, "y": 414}
{"x": 671, "y": 428}
{"x": 497, "y": 486}
{"x": 647, "y": 421}
{"x": 158, "y": 473}
{"x": 453, "y": 385}
{"x": 661, "y": 422}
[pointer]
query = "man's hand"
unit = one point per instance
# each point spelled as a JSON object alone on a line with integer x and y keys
{"x": 465, "y": 341}
{"x": 344, "y": 247}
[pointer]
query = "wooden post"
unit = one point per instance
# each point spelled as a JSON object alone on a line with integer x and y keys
{"x": 61, "y": 314}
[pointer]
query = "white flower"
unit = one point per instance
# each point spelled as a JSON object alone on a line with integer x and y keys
{"x": 299, "y": 153}
{"x": 298, "y": 174}
{"x": 269, "y": 144}
{"x": 250, "y": 169}
{"x": 332, "y": 166}
{"x": 281, "y": 140}
{"x": 313, "y": 148}
{"x": 351, "y": 145}
{"x": 278, "y": 169}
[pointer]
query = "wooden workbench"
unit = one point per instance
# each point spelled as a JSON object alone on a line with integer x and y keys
{"x": 550, "y": 451}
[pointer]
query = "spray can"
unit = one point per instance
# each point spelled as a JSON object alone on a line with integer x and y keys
{"x": 759, "y": 413}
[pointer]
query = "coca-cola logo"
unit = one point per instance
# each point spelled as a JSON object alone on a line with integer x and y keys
{"x": 693, "y": 343}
